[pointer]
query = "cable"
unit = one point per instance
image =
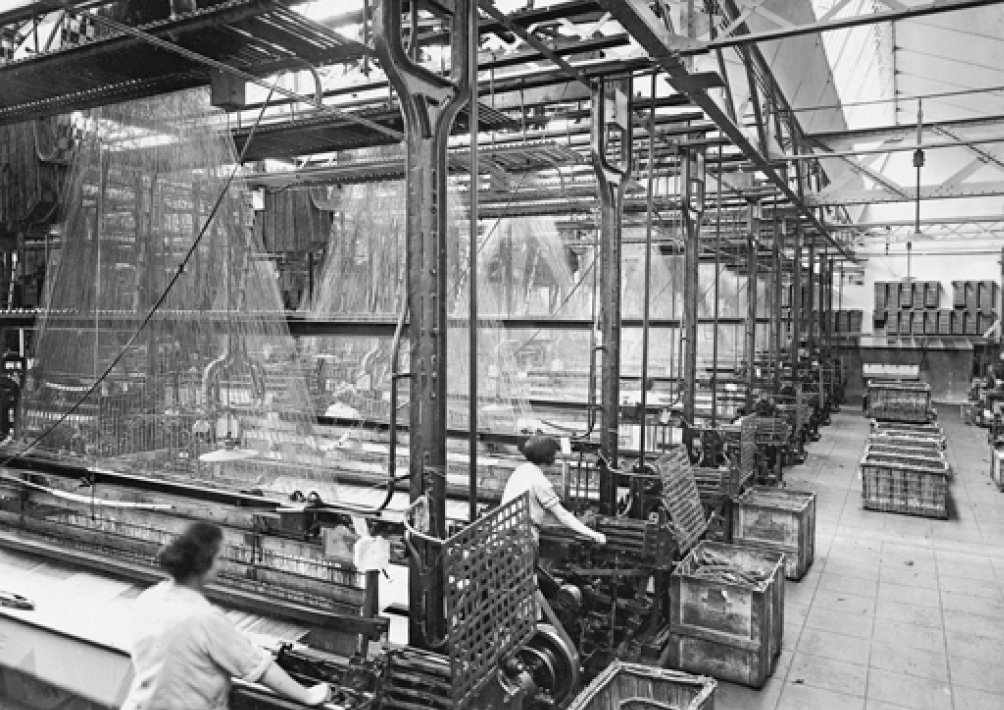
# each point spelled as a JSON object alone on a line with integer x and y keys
{"x": 160, "y": 301}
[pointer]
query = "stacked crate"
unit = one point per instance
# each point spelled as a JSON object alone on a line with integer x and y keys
{"x": 900, "y": 401}
{"x": 975, "y": 306}
{"x": 904, "y": 470}
{"x": 908, "y": 308}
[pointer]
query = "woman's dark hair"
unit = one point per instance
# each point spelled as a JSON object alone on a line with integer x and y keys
{"x": 192, "y": 552}
{"x": 541, "y": 450}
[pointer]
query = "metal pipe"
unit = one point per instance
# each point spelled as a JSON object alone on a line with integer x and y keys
{"x": 751, "y": 304}
{"x": 646, "y": 306}
{"x": 775, "y": 359}
{"x": 472, "y": 57}
{"x": 718, "y": 253}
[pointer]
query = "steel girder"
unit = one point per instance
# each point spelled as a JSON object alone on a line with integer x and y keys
{"x": 664, "y": 48}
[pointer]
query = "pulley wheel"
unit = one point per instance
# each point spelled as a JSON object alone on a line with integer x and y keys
{"x": 553, "y": 664}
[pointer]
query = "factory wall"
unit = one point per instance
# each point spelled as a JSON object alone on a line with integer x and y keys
{"x": 945, "y": 363}
{"x": 928, "y": 262}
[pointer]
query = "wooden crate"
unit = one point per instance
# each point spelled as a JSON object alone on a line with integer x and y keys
{"x": 899, "y": 401}
{"x": 778, "y": 519}
{"x": 905, "y": 321}
{"x": 919, "y": 322}
{"x": 906, "y": 295}
{"x": 919, "y": 295}
{"x": 985, "y": 320}
{"x": 970, "y": 326}
{"x": 997, "y": 468}
{"x": 909, "y": 488}
{"x": 730, "y": 631}
{"x": 932, "y": 294}
{"x": 632, "y": 686}
{"x": 958, "y": 294}
{"x": 958, "y": 322}
{"x": 880, "y": 295}
{"x": 907, "y": 447}
{"x": 931, "y": 323}
{"x": 856, "y": 321}
{"x": 972, "y": 296}
{"x": 944, "y": 322}
{"x": 988, "y": 295}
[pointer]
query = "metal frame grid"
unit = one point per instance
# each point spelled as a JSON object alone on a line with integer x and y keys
{"x": 681, "y": 497}
{"x": 489, "y": 568}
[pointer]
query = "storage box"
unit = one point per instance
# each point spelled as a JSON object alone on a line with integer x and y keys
{"x": 895, "y": 487}
{"x": 906, "y": 295}
{"x": 631, "y": 686}
{"x": 989, "y": 292}
{"x": 728, "y": 630}
{"x": 958, "y": 294}
{"x": 970, "y": 323}
{"x": 919, "y": 322}
{"x": 984, "y": 321}
{"x": 778, "y": 519}
{"x": 932, "y": 294}
{"x": 944, "y": 322}
{"x": 972, "y": 296}
{"x": 997, "y": 468}
{"x": 899, "y": 401}
{"x": 880, "y": 296}
{"x": 958, "y": 322}
{"x": 919, "y": 295}
{"x": 905, "y": 321}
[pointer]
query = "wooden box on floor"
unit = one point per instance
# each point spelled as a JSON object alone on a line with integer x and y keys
{"x": 997, "y": 468}
{"x": 631, "y": 686}
{"x": 913, "y": 488}
{"x": 730, "y": 631}
{"x": 781, "y": 520}
{"x": 899, "y": 401}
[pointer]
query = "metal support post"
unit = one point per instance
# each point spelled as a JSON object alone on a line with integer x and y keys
{"x": 429, "y": 104}
{"x": 753, "y": 246}
{"x": 611, "y": 156}
{"x": 694, "y": 174}
{"x": 796, "y": 306}
{"x": 778, "y": 318}
{"x": 718, "y": 278}
{"x": 810, "y": 319}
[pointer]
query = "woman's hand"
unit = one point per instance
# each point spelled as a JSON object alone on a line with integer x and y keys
{"x": 318, "y": 694}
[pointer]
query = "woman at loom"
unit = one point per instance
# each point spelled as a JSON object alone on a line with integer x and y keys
{"x": 185, "y": 651}
{"x": 529, "y": 478}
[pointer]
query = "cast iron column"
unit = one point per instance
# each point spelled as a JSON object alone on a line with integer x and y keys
{"x": 796, "y": 306}
{"x": 611, "y": 155}
{"x": 693, "y": 163}
{"x": 429, "y": 104}
{"x": 753, "y": 246}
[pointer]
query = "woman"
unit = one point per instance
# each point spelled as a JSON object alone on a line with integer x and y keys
{"x": 529, "y": 478}
{"x": 184, "y": 650}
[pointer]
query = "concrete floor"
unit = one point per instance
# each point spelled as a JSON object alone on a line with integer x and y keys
{"x": 896, "y": 611}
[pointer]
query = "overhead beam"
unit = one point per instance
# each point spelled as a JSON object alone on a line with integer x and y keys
{"x": 665, "y": 50}
{"x": 835, "y": 138}
{"x": 933, "y": 192}
{"x": 791, "y": 30}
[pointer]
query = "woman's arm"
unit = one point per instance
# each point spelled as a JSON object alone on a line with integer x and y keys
{"x": 570, "y": 521}
{"x": 278, "y": 680}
